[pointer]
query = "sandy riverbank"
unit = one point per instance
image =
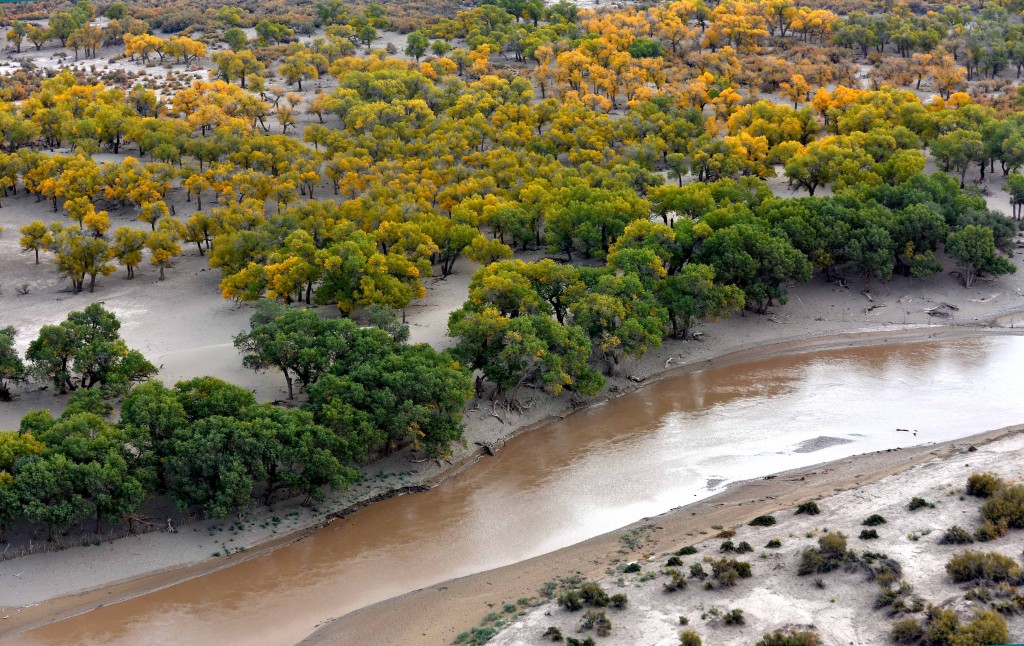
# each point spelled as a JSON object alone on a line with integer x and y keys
{"x": 184, "y": 326}
{"x": 847, "y": 491}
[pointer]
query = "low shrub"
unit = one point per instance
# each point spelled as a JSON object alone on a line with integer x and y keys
{"x": 990, "y": 531}
{"x": 734, "y": 617}
{"x": 956, "y": 535}
{"x": 763, "y": 521}
{"x": 729, "y": 571}
{"x": 689, "y": 638}
{"x": 553, "y": 633}
{"x": 726, "y": 533}
{"x": 697, "y": 571}
{"x": 774, "y": 543}
{"x": 744, "y": 548}
{"x": 874, "y": 520}
{"x": 916, "y": 503}
{"x": 993, "y": 567}
{"x": 686, "y": 551}
{"x": 899, "y": 599}
{"x": 674, "y": 561}
{"x": 986, "y": 627}
{"x": 632, "y": 568}
{"x": 906, "y": 631}
{"x": 727, "y": 546}
{"x": 830, "y": 555}
{"x": 570, "y": 600}
{"x": 1005, "y": 506}
{"x": 793, "y": 638}
{"x": 810, "y": 508}
{"x": 618, "y": 600}
{"x": 676, "y": 581}
{"x": 598, "y": 621}
{"x": 983, "y": 485}
{"x": 586, "y": 641}
{"x": 593, "y": 594}
{"x": 868, "y": 534}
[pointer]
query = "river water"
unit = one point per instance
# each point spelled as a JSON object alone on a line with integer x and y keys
{"x": 666, "y": 445}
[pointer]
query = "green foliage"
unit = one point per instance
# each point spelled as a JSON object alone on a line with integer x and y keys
{"x": 810, "y": 508}
{"x": 973, "y": 248}
{"x": 734, "y": 617}
{"x": 1005, "y": 507}
{"x": 983, "y": 485}
{"x": 990, "y": 567}
{"x": 874, "y": 520}
{"x": 957, "y": 535}
{"x": 917, "y": 503}
{"x": 774, "y": 544}
{"x": 792, "y": 638}
{"x": 686, "y": 550}
{"x": 689, "y": 638}
{"x": 85, "y": 351}
{"x": 676, "y": 580}
{"x": 12, "y": 369}
{"x": 763, "y": 521}
{"x": 728, "y": 571}
{"x": 868, "y": 534}
{"x": 597, "y": 621}
{"x": 906, "y": 631}
{"x": 830, "y": 555}
{"x": 674, "y": 561}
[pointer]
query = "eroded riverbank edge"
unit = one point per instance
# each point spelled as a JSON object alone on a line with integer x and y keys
{"x": 436, "y": 614}
{"x": 61, "y": 607}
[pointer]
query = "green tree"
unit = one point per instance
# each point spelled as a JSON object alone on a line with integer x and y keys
{"x": 973, "y": 248}
{"x": 693, "y": 294}
{"x": 416, "y": 45}
{"x": 12, "y": 369}
{"x": 85, "y": 351}
{"x": 755, "y": 261}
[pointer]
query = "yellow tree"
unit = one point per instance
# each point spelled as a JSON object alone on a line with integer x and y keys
{"x": 163, "y": 243}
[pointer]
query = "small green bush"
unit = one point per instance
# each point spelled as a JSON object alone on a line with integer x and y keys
{"x": 774, "y": 543}
{"x": 676, "y": 581}
{"x": 727, "y": 546}
{"x": 744, "y": 548}
{"x": 916, "y": 503}
{"x": 697, "y": 571}
{"x": 1005, "y": 506}
{"x": 868, "y": 534}
{"x": 809, "y": 508}
{"x": 686, "y": 551}
{"x": 830, "y": 555}
{"x": 956, "y": 535}
{"x": 734, "y": 617}
{"x": 553, "y": 633}
{"x": 763, "y": 521}
{"x": 570, "y": 600}
{"x": 986, "y": 627}
{"x": 726, "y": 533}
{"x": 906, "y": 631}
{"x": 990, "y": 531}
{"x": 586, "y": 641}
{"x": 631, "y": 568}
{"x": 993, "y": 567}
{"x": 983, "y": 485}
{"x": 593, "y": 594}
{"x": 618, "y": 600}
{"x": 689, "y": 638}
{"x": 874, "y": 520}
{"x": 793, "y": 638}
{"x": 674, "y": 561}
{"x": 729, "y": 571}
{"x": 598, "y": 621}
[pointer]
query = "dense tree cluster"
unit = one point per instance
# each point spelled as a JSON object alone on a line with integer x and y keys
{"x": 206, "y": 443}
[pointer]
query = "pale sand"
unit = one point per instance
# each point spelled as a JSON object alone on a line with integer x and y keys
{"x": 848, "y": 491}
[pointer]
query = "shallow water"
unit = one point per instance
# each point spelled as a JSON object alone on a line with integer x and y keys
{"x": 605, "y": 467}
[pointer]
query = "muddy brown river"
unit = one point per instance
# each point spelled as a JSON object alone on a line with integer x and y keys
{"x": 643, "y": 454}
